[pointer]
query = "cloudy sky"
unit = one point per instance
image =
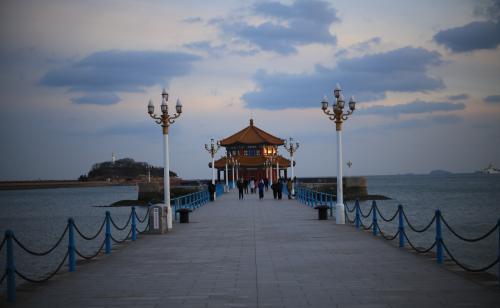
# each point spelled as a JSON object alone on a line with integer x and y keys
{"x": 76, "y": 76}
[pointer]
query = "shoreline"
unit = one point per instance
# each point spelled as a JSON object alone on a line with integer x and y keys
{"x": 25, "y": 185}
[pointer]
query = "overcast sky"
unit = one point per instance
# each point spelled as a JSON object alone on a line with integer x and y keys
{"x": 76, "y": 76}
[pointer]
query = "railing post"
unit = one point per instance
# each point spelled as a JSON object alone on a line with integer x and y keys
{"x": 134, "y": 231}
{"x": 71, "y": 246}
{"x": 439, "y": 237}
{"x": 374, "y": 222}
{"x": 11, "y": 267}
{"x": 357, "y": 218}
{"x": 401, "y": 227}
{"x": 108, "y": 233}
{"x": 331, "y": 205}
{"x": 498, "y": 253}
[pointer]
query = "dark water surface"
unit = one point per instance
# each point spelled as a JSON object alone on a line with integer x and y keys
{"x": 470, "y": 203}
{"x": 38, "y": 217}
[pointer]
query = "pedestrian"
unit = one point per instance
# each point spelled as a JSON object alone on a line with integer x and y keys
{"x": 245, "y": 186}
{"x": 289, "y": 186}
{"x": 240, "y": 189}
{"x": 274, "y": 188}
{"x": 280, "y": 189}
{"x": 261, "y": 189}
{"x": 266, "y": 183}
{"x": 252, "y": 186}
{"x": 211, "y": 191}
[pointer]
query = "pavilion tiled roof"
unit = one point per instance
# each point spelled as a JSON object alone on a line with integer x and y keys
{"x": 251, "y": 135}
{"x": 252, "y": 161}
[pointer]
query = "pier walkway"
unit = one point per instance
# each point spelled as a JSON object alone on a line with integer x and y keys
{"x": 251, "y": 253}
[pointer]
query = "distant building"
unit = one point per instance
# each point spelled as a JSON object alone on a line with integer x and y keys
{"x": 113, "y": 158}
{"x": 252, "y": 147}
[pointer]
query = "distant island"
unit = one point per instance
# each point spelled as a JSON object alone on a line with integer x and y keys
{"x": 123, "y": 170}
{"x": 440, "y": 172}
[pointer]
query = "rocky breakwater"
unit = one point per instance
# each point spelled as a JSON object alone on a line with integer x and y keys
{"x": 153, "y": 191}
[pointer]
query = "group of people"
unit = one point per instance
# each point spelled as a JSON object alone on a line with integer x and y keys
{"x": 253, "y": 185}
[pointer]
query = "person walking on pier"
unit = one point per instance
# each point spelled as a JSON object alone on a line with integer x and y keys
{"x": 211, "y": 190}
{"x": 239, "y": 184}
{"x": 261, "y": 189}
{"x": 280, "y": 189}
{"x": 289, "y": 188}
{"x": 245, "y": 186}
{"x": 274, "y": 188}
{"x": 252, "y": 186}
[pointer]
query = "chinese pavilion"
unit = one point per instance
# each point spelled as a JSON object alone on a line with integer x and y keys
{"x": 256, "y": 152}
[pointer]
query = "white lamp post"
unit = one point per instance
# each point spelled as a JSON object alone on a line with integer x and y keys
{"x": 227, "y": 180}
{"x": 165, "y": 120}
{"x": 233, "y": 162}
{"x": 292, "y": 147}
{"x": 212, "y": 149}
{"x": 337, "y": 114}
{"x": 237, "y": 165}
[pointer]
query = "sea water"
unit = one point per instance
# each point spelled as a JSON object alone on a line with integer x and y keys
{"x": 39, "y": 216}
{"x": 470, "y": 203}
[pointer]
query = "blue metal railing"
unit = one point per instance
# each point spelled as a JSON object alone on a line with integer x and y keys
{"x": 191, "y": 201}
{"x": 312, "y": 198}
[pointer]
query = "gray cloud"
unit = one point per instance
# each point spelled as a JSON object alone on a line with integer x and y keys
{"x": 192, "y": 20}
{"x": 206, "y": 46}
{"x": 415, "y": 107}
{"x": 117, "y": 70}
{"x": 449, "y": 119}
{"x": 492, "y": 99}
{"x": 489, "y": 9}
{"x": 97, "y": 99}
{"x": 458, "y": 97}
{"x": 368, "y": 77}
{"x": 473, "y": 36}
{"x": 300, "y": 23}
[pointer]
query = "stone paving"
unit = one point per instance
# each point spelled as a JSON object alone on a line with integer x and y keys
{"x": 251, "y": 253}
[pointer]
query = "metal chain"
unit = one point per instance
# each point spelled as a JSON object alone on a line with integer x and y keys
{"x": 470, "y": 240}
{"x": 365, "y": 227}
{"x": 418, "y": 230}
{"x": 3, "y": 277}
{"x": 388, "y": 238}
{"x": 349, "y": 210}
{"x": 417, "y": 249}
{"x": 145, "y": 229}
{"x": 89, "y": 238}
{"x": 464, "y": 266}
{"x": 46, "y": 278}
{"x": 367, "y": 215}
{"x": 120, "y": 228}
{"x": 91, "y": 256}
{"x": 385, "y": 219}
{"x": 123, "y": 240}
{"x": 36, "y": 253}
{"x": 3, "y": 242}
{"x": 145, "y": 216}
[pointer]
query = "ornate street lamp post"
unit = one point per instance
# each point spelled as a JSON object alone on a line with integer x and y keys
{"x": 267, "y": 164}
{"x": 339, "y": 116}
{"x": 165, "y": 120}
{"x": 227, "y": 180}
{"x": 212, "y": 149}
{"x": 232, "y": 160}
{"x": 237, "y": 165}
{"x": 292, "y": 147}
